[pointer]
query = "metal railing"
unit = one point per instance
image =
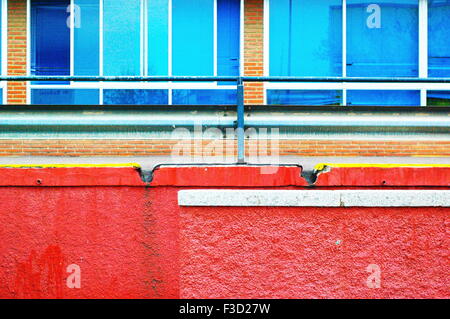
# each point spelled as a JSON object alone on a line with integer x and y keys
{"x": 238, "y": 80}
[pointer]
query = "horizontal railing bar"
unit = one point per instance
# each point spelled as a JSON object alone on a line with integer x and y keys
{"x": 239, "y": 80}
{"x": 223, "y": 79}
{"x": 226, "y": 107}
{"x": 120, "y": 78}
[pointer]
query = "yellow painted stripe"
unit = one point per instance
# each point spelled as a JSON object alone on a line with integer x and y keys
{"x": 320, "y": 167}
{"x": 134, "y": 165}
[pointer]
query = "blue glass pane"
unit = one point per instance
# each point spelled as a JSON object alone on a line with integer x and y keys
{"x": 158, "y": 35}
{"x": 438, "y": 98}
{"x": 305, "y": 38}
{"x": 50, "y": 38}
{"x": 86, "y": 42}
{"x": 136, "y": 97}
{"x": 64, "y": 97}
{"x": 383, "y": 98}
{"x": 193, "y": 37}
{"x": 1, "y": 38}
{"x": 382, "y": 38}
{"x": 204, "y": 97}
{"x": 122, "y": 37}
{"x": 228, "y": 39}
{"x": 304, "y": 97}
{"x": 1, "y": 96}
{"x": 439, "y": 38}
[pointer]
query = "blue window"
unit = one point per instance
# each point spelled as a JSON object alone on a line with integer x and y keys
{"x": 305, "y": 38}
{"x": 122, "y": 37}
{"x": 125, "y": 52}
{"x": 382, "y": 38}
{"x": 87, "y": 37}
{"x": 193, "y": 37}
{"x": 158, "y": 37}
{"x": 50, "y": 37}
{"x": 204, "y": 97}
{"x": 1, "y": 21}
{"x": 228, "y": 30}
{"x": 438, "y": 98}
{"x": 135, "y": 97}
{"x": 1, "y": 70}
{"x": 304, "y": 97}
{"x": 439, "y": 38}
{"x": 64, "y": 97}
{"x": 383, "y": 98}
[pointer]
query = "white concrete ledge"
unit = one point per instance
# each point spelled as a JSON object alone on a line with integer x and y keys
{"x": 315, "y": 198}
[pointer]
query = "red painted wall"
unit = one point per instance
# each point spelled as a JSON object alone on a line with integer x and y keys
{"x": 132, "y": 240}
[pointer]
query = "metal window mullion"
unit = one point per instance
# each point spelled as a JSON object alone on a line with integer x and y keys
{"x": 241, "y": 38}
{"x": 72, "y": 38}
{"x": 215, "y": 30}
{"x": 100, "y": 69}
{"x": 4, "y": 38}
{"x": 423, "y": 47}
{"x": 144, "y": 38}
{"x": 344, "y": 50}
{"x": 169, "y": 49}
{"x": 28, "y": 66}
{"x": 266, "y": 45}
{"x": 4, "y": 44}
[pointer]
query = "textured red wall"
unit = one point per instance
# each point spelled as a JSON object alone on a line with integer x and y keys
{"x": 313, "y": 252}
{"x": 132, "y": 240}
{"x": 112, "y": 233}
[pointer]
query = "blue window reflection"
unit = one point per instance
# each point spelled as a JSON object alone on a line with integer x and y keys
{"x": 438, "y": 98}
{"x": 0, "y": 38}
{"x": 135, "y": 97}
{"x": 439, "y": 38}
{"x": 193, "y": 37}
{"x": 305, "y": 38}
{"x": 228, "y": 30}
{"x": 122, "y": 37}
{"x": 50, "y": 37}
{"x": 64, "y": 96}
{"x": 204, "y": 97}
{"x": 158, "y": 37}
{"x": 304, "y": 97}
{"x": 383, "y": 98}
{"x": 382, "y": 38}
{"x": 87, "y": 37}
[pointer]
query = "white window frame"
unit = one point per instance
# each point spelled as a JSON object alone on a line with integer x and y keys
{"x": 4, "y": 44}
{"x": 170, "y": 86}
{"x": 344, "y": 87}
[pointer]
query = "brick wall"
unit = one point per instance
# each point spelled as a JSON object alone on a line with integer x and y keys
{"x": 253, "y": 49}
{"x": 213, "y": 148}
{"x": 17, "y": 49}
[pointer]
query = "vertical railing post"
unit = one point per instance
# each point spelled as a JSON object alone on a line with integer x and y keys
{"x": 240, "y": 121}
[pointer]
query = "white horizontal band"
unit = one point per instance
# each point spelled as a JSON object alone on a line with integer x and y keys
{"x": 315, "y": 198}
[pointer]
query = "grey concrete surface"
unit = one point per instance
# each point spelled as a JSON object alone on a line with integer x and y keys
{"x": 314, "y": 198}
